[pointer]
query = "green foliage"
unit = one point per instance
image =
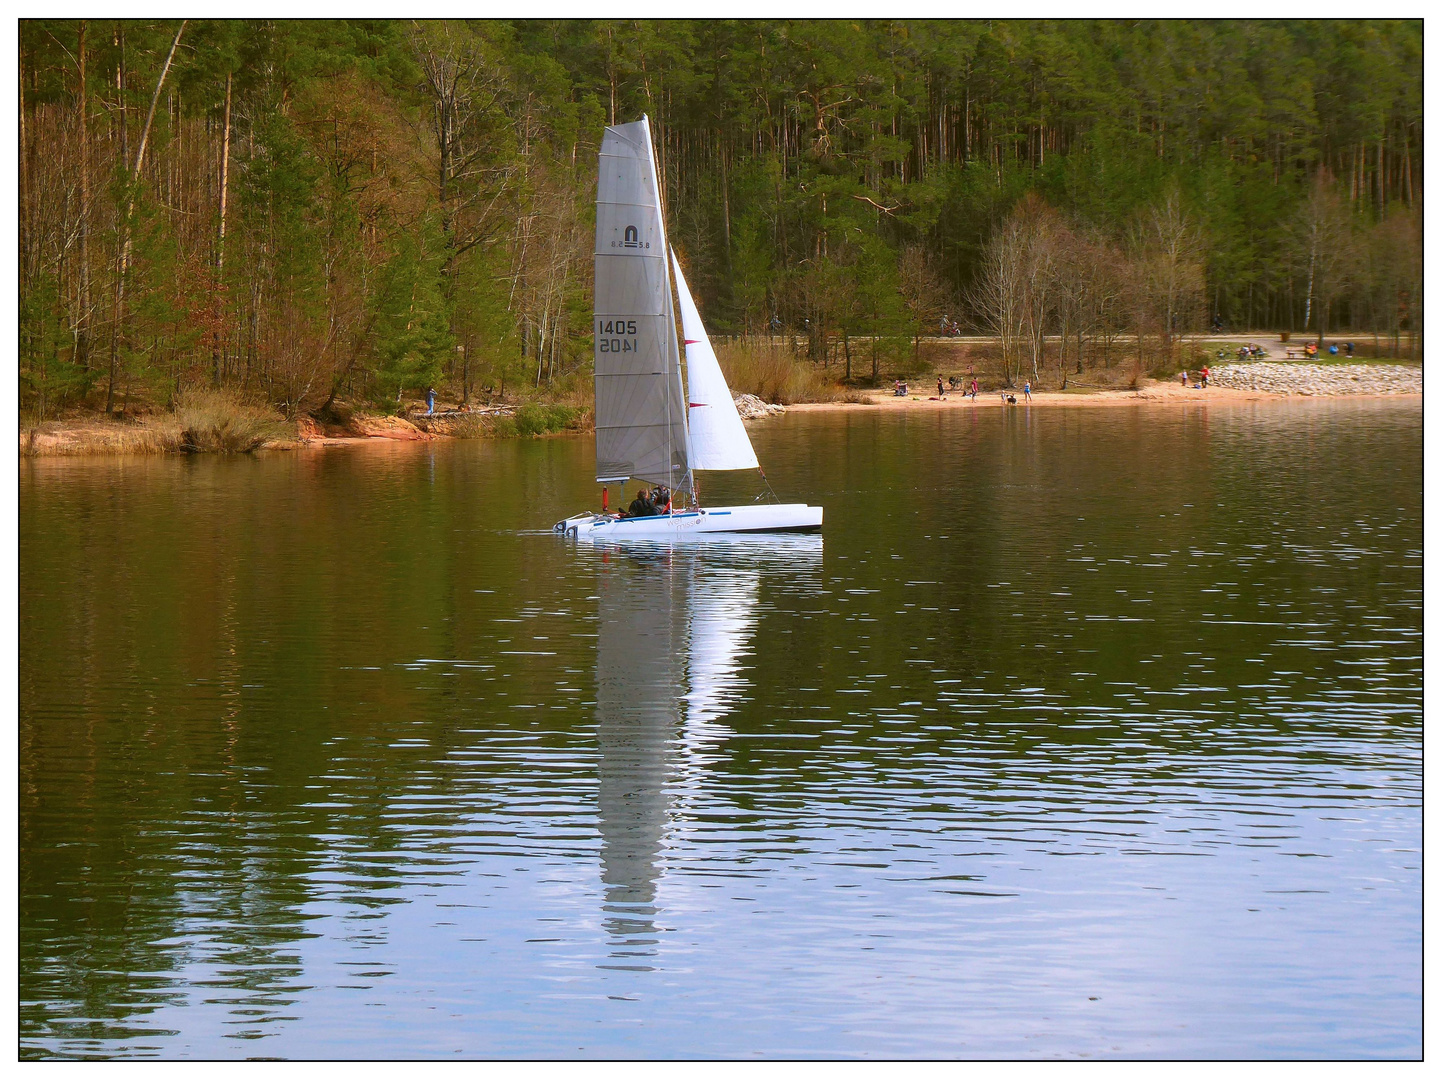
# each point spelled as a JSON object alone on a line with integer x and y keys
{"x": 532, "y": 419}
{"x": 49, "y": 379}
{"x": 537, "y": 419}
{"x": 413, "y": 335}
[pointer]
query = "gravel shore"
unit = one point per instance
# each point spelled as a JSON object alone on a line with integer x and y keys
{"x": 1319, "y": 380}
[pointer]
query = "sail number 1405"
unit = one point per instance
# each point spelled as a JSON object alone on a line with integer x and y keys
{"x": 616, "y": 335}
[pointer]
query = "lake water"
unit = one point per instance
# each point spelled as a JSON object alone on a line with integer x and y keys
{"x": 1080, "y": 732}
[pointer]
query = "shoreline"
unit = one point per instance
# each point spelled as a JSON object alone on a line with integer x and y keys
{"x": 1151, "y": 395}
{"x": 96, "y": 437}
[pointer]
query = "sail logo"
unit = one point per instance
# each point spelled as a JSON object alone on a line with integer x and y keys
{"x": 631, "y": 238}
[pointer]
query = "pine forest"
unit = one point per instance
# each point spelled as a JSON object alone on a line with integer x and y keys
{"x": 310, "y": 212}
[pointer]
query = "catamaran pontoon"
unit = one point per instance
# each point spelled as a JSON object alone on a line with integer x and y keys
{"x": 647, "y": 427}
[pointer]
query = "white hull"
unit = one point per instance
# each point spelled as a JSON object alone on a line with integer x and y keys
{"x": 715, "y": 521}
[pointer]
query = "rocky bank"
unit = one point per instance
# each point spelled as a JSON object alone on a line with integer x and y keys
{"x": 1319, "y": 380}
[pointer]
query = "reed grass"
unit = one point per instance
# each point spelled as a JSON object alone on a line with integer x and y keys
{"x": 773, "y": 373}
{"x": 101, "y": 437}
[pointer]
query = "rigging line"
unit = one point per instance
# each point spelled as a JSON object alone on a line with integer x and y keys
{"x": 769, "y": 490}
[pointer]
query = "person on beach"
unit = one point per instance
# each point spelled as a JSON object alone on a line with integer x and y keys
{"x": 431, "y": 401}
{"x": 1206, "y": 374}
{"x": 1184, "y": 376}
{"x": 973, "y": 390}
{"x": 940, "y": 390}
{"x": 1027, "y": 389}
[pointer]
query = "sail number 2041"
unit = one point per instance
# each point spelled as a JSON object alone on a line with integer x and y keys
{"x": 616, "y": 335}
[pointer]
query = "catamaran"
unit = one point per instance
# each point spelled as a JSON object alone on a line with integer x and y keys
{"x": 648, "y": 426}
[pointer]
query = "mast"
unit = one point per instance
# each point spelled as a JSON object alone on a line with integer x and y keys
{"x": 673, "y": 346}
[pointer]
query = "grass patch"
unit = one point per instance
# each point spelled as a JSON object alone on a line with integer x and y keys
{"x": 97, "y": 437}
{"x": 773, "y": 373}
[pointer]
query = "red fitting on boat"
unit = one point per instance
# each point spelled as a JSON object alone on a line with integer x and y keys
{"x": 605, "y": 500}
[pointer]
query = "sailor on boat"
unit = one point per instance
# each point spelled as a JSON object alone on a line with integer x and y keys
{"x": 649, "y": 425}
{"x": 643, "y": 505}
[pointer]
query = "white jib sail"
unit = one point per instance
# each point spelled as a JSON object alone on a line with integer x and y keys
{"x": 718, "y": 437}
{"x": 640, "y": 413}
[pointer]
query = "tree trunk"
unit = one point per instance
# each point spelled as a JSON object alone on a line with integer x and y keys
{"x": 1311, "y": 275}
{"x": 27, "y": 176}
{"x": 1381, "y": 179}
{"x": 220, "y": 240}
{"x": 726, "y": 207}
{"x": 130, "y": 209}
{"x": 82, "y": 328}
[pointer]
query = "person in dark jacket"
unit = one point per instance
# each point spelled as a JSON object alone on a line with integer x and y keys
{"x": 642, "y": 506}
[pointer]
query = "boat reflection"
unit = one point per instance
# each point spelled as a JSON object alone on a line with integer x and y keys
{"x": 676, "y": 626}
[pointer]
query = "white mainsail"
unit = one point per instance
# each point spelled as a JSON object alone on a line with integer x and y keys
{"x": 640, "y": 410}
{"x": 718, "y": 437}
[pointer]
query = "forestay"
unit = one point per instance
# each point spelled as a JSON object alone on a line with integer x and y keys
{"x": 718, "y": 437}
{"x": 640, "y": 411}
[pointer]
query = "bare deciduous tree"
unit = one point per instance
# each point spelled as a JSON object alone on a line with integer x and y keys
{"x": 923, "y": 291}
{"x": 1167, "y": 250}
{"x": 1018, "y": 285}
{"x": 997, "y": 294}
{"x": 465, "y": 91}
{"x": 1323, "y": 248}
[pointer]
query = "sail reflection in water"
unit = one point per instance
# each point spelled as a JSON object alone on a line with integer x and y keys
{"x": 676, "y": 625}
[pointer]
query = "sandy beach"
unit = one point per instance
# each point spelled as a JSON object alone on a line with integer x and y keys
{"x": 1153, "y": 393}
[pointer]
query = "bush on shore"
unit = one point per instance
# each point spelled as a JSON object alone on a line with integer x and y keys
{"x": 217, "y": 421}
{"x": 530, "y": 419}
